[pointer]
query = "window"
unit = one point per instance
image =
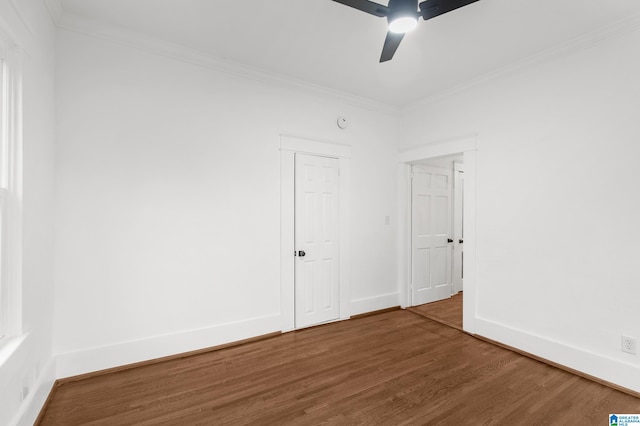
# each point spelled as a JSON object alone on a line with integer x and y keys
{"x": 10, "y": 189}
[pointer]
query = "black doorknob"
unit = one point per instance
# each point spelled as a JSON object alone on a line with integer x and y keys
{"x": 449, "y": 240}
{"x": 461, "y": 241}
{"x": 301, "y": 253}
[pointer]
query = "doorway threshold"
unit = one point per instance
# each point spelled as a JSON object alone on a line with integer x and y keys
{"x": 447, "y": 312}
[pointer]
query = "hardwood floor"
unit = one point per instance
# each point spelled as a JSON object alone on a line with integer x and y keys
{"x": 396, "y": 368}
{"x": 448, "y": 311}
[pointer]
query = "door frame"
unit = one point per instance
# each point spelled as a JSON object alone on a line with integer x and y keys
{"x": 467, "y": 146}
{"x": 289, "y": 146}
{"x": 456, "y": 264}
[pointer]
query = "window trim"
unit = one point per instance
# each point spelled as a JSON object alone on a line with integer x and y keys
{"x": 10, "y": 187}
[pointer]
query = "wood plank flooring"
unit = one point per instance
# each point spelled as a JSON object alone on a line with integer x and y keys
{"x": 448, "y": 311}
{"x": 396, "y": 368}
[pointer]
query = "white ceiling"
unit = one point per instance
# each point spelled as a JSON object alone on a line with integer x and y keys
{"x": 331, "y": 45}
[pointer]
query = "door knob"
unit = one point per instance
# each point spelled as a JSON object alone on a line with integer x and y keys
{"x": 460, "y": 241}
{"x": 301, "y": 253}
{"x": 449, "y": 240}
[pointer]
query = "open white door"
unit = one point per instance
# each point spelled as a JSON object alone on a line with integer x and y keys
{"x": 317, "y": 288}
{"x": 430, "y": 234}
{"x": 458, "y": 227}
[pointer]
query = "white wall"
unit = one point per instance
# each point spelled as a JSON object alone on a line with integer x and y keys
{"x": 557, "y": 210}
{"x": 30, "y": 363}
{"x": 168, "y": 202}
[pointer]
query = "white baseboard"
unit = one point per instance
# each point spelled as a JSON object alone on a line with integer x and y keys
{"x": 101, "y": 358}
{"x": 31, "y": 406}
{"x": 612, "y": 370}
{"x": 376, "y": 303}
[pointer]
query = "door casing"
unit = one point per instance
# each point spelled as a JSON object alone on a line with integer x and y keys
{"x": 289, "y": 146}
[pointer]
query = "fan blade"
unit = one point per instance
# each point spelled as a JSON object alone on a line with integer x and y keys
{"x": 391, "y": 44}
{"x": 432, "y": 8}
{"x": 366, "y": 6}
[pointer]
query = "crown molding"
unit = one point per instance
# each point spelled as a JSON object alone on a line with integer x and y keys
{"x": 132, "y": 39}
{"x": 20, "y": 15}
{"x": 55, "y": 10}
{"x": 74, "y": 23}
{"x": 617, "y": 29}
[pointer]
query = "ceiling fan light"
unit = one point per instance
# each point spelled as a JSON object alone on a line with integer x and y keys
{"x": 403, "y": 24}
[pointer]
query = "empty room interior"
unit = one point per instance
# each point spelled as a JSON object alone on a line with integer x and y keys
{"x": 323, "y": 221}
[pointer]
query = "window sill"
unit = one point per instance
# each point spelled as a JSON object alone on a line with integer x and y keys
{"x": 8, "y": 346}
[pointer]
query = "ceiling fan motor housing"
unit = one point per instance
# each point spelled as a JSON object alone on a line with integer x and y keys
{"x": 402, "y": 8}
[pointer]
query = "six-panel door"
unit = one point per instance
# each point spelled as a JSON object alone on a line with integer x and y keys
{"x": 430, "y": 234}
{"x": 317, "y": 292}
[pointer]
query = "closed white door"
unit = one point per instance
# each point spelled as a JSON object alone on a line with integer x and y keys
{"x": 317, "y": 291}
{"x": 430, "y": 234}
{"x": 458, "y": 228}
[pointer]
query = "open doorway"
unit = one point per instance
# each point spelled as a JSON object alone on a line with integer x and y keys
{"x": 437, "y": 238}
{"x": 443, "y": 156}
